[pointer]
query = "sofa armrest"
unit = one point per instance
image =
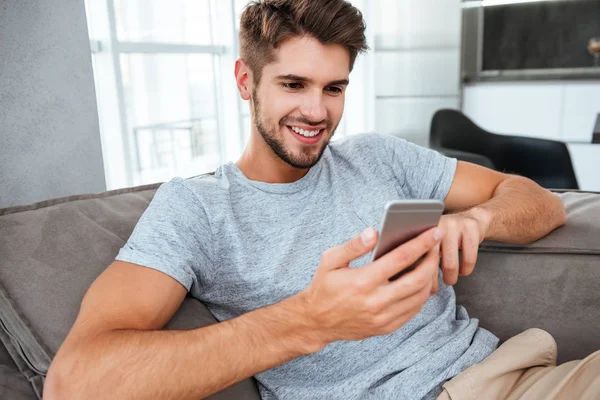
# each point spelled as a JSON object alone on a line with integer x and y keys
{"x": 550, "y": 284}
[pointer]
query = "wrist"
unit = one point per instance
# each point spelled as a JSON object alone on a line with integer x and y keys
{"x": 484, "y": 218}
{"x": 307, "y": 331}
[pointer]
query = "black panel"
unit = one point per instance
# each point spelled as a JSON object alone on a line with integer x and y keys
{"x": 541, "y": 35}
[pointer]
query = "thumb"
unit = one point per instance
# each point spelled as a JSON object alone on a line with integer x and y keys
{"x": 341, "y": 256}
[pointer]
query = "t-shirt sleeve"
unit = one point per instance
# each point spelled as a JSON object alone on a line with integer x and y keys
{"x": 422, "y": 173}
{"x": 172, "y": 236}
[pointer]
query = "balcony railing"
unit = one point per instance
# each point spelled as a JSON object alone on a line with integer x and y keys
{"x": 179, "y": 148}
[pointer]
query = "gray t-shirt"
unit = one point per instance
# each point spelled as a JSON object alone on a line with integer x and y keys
{"x": 238, "y": 245}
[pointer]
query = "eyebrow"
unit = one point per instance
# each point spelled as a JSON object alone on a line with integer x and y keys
{"x": 292, "y": 77}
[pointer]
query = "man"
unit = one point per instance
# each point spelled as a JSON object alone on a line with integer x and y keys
{"x": 271, "y": 245}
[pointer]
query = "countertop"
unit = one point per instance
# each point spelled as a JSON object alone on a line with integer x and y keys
{"x": 592, "y": 73}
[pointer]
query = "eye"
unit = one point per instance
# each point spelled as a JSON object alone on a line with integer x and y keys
{"x": 292, "y": 85}
{"x": 334, "y": 89}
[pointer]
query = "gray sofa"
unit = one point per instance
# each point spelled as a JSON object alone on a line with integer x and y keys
{"x": 50, "y": 253}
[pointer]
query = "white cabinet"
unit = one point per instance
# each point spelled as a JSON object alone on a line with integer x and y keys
{"x": 586, "y": 161}
{"x": 516, "y": 109}
{"x": 581, "y": 105}
{"x": 558, "y": 110}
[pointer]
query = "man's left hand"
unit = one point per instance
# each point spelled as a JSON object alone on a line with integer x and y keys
{"x": 464, "y": 231}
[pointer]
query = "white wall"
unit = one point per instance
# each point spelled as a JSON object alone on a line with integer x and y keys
{"x": 417, "y": 44}
{"x": 558, "y": 110}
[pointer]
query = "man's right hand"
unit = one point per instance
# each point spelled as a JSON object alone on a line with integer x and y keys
{"x": 345, "y": 303}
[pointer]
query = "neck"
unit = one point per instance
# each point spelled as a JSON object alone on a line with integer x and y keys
{"x": 259, "y": 163}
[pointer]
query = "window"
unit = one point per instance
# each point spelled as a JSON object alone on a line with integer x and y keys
{"x": 165, "y": 105}
{"x": 164, "y": 21}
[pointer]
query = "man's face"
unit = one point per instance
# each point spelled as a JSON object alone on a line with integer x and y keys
{"x": 299, "y": 101}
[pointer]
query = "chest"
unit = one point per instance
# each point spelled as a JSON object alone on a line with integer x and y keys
{"x": 268, "y": 251}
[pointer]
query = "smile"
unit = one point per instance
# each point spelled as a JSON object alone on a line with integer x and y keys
{"x": 305, "y": 136}
{"x": 304, "y": 132}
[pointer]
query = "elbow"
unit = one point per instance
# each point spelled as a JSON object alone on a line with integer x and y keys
{"x": 54, "y": 384}
{"x": 59, "y": 382}
{"x": 551, "y": 216}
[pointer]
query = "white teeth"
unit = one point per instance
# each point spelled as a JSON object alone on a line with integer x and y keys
{"x": 305, "y": 132}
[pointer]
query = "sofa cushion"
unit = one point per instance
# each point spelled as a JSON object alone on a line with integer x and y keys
{"x": 51, "y": 253}
{"x": 13, "y": 384}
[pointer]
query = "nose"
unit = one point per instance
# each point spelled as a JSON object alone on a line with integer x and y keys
{"x": 313, "y": 107}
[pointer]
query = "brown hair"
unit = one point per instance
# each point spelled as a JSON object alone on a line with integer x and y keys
{"x": 267, "y": 23}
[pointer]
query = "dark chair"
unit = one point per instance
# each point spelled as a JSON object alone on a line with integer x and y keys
{"x": 546, "y": 162}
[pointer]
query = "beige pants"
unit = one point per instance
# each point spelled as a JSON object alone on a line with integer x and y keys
{"x": 524, "y": 368}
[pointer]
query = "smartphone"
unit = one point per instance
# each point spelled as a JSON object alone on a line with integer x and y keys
{"x": 404, "y": 220}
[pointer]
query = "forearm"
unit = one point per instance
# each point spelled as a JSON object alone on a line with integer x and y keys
{"x": 185, "y": 364}
{"x": 520, "y": 212}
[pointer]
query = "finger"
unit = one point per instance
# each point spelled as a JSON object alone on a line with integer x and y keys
{"x": 340, "y": 256}
{"x": 414, "y": 281}
{"x": 403, "y": 256}
{"x": 470, "y": 248}
{"x": 411, "y": 305}
{"x": 435, "y": 285}
{"x": 450, "y": 257}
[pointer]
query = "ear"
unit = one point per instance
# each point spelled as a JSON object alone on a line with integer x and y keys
{"x": 243, "y": 79}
